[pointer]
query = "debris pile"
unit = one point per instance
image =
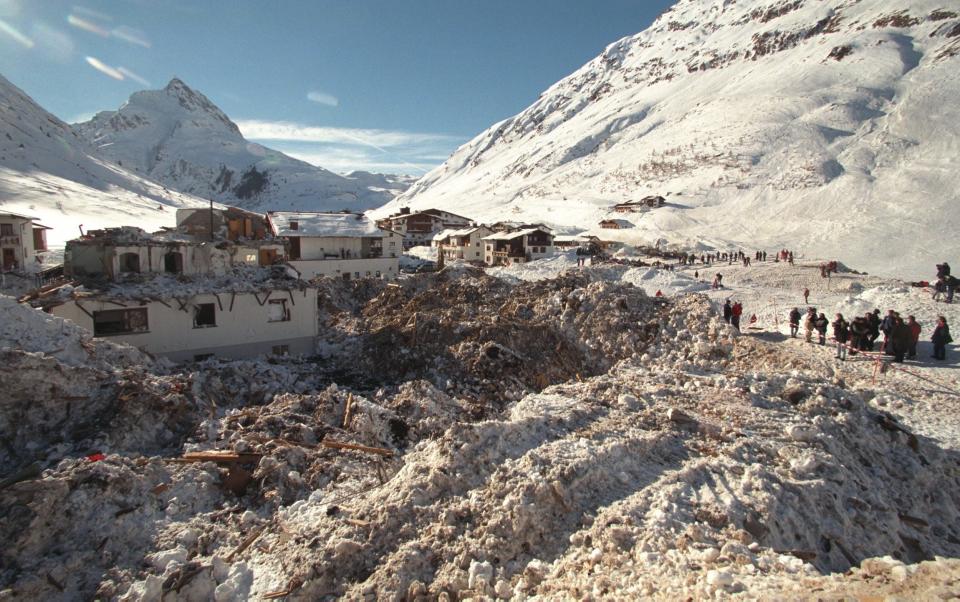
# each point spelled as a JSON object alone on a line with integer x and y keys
{"x": 659, "y": 455}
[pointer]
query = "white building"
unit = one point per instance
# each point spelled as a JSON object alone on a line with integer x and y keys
{"x": 337, "y": 245}
{"x": 465, "y": 244}
{"x": 418, "y": 228}
{"x": 22, "y": 242}
{"x": 520, "y": 246}
{"x": 240, "y": 324}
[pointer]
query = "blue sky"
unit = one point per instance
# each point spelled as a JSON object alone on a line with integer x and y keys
{"x": 383, "y": 85}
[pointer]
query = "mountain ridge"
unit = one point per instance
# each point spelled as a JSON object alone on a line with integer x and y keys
{"x": 743, "y": 115}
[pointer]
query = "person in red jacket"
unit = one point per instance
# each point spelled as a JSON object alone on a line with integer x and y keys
{"x": 914, "y": 327}
{"x": 735, "y": 316}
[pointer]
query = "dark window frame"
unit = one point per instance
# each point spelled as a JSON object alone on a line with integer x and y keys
{"x": 205, "y": 315}
{"x": 283, "y": 304}
{"x": 133, "y": 320}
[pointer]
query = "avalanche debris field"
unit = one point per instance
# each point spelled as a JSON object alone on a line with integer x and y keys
{"x": 461, "y": 436}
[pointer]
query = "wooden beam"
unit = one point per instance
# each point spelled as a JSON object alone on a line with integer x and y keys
{"x": 233, "y": 297}
{"x": 83, "y": 309}
{"x": 290, "y": 292}
{"x": 219, "y": 303}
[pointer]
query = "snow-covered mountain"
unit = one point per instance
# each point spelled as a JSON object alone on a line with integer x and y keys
{"x": 176, "y": 136}
{"x": 48, "y": 171}
{"x": 827, "y": 126}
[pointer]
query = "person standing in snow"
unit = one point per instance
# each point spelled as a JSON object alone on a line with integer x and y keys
{"x": 886, "y": 327}
{"x": 727, "y": 311}
{"x": 736, "y": 312}
{"x": 821, "y": 324}
{"x": 941, "y": 337}
{"x": 794, "y": 322}
{"x": 859, "y": 330}
{"x": 899, "y": 339}
{"x": 873, "y": 319}
{"x": 809, "y": 324}
{"x": 841, "y": 333}
{"x": 915, "y": 329}
{"x": 806, "y": 295}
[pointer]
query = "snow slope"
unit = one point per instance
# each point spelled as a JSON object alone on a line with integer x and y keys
{"x": 826, "y": 126}
{"x": 48, "y": 172}
{"x": 178, "y": 137}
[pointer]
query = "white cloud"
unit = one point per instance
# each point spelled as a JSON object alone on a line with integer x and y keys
{"x": 295, "y": 132}
{"x": 323, "y": 98}
{"x": 351, "y": 149}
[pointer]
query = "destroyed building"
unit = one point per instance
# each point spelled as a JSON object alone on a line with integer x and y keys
{"x": 337, "y": 245}
{"x": 240, "y": 319}
{"x": 204, "y": 242}
{"x": 22, "y": 242}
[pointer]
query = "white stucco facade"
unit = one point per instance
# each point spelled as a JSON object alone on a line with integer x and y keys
{"x": 385, "y": 268}
{"x": 22, "y": 242}
{"x": 232, "y": 325}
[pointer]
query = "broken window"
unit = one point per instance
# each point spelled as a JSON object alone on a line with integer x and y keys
{"x": 294, "y": 225}
{"x": 281, "y": 349}
{"x": 119, "y": 321}
{"x": 173, "y": 262}
{"x": 130, "y": 263}
{"x": 277, "y": 311}
{"x": 204, "y": 315}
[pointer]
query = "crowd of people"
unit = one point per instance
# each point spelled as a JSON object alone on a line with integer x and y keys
{"x": 900, "y": 337}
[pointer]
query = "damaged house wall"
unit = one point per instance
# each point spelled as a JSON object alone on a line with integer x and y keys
{"x": 232, "y": 325}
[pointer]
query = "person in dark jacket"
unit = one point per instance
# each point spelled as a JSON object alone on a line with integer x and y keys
{"x": 794, "y": 322}
{"x": 841, "y": 332}
{"x": 809, "y": 323}
{"x": 915, "y": 329}
{"x": 899, "y": 339}
{"x": 821, "y": 324}
{"x": 941, "y": 337}
{"x": 727, "y": 311}
{"x": 873, "y": 319}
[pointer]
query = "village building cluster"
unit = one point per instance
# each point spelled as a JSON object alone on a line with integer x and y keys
{"x": 224, "y": 281}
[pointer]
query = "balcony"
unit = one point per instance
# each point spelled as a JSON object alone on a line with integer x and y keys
{"x": 10, "y": 240}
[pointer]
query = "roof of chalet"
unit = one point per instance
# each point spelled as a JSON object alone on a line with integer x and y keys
{"x": 575, "y": 238}
{"x": 17, "y": 216}
{"x": 343, "y": 225}
{"x": 513, "y": 235}
{"x": 622, "y": 223}
{"x": 430, "y": 212}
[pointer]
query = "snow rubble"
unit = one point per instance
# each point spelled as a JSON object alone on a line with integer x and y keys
{"x": 642, "y": 449}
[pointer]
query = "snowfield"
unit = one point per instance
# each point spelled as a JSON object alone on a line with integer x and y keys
{"x": 812, "y": 125}
{"x": 545, "y": 431}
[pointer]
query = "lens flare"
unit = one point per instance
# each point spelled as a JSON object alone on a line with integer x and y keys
{"x": 133, "y": 76}
{"x": 131, "y": 35}
{"x": 86, "y": 25}
{"x": 104, "y": 68}
{"x": 13, "y": 33}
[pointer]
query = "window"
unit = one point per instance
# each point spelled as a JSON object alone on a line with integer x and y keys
{"x": 378, "y": 273}
{"x": 356, "y": 274}
{"x": 368, "y": 274}
{"x": 173, "y": 263}
{"x": 6, "y": 230}
{"x": 281, "y": 350}
{"x": 277, "y": 311}
{"x": 129, "y": 263}
{"x": 294, "y": 225}
{"x": 119, "y": 321}
{"x": 204, "y": 315}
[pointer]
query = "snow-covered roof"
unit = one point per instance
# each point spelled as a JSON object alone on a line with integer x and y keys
{"x": 17, "y": 216}
{"x": 622, "y": 223}
{"x": 309, "y": 224}
{"x": 513, "y": 235}
{"x": 442, "y": 234}
{"x": 573, "y": 238}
